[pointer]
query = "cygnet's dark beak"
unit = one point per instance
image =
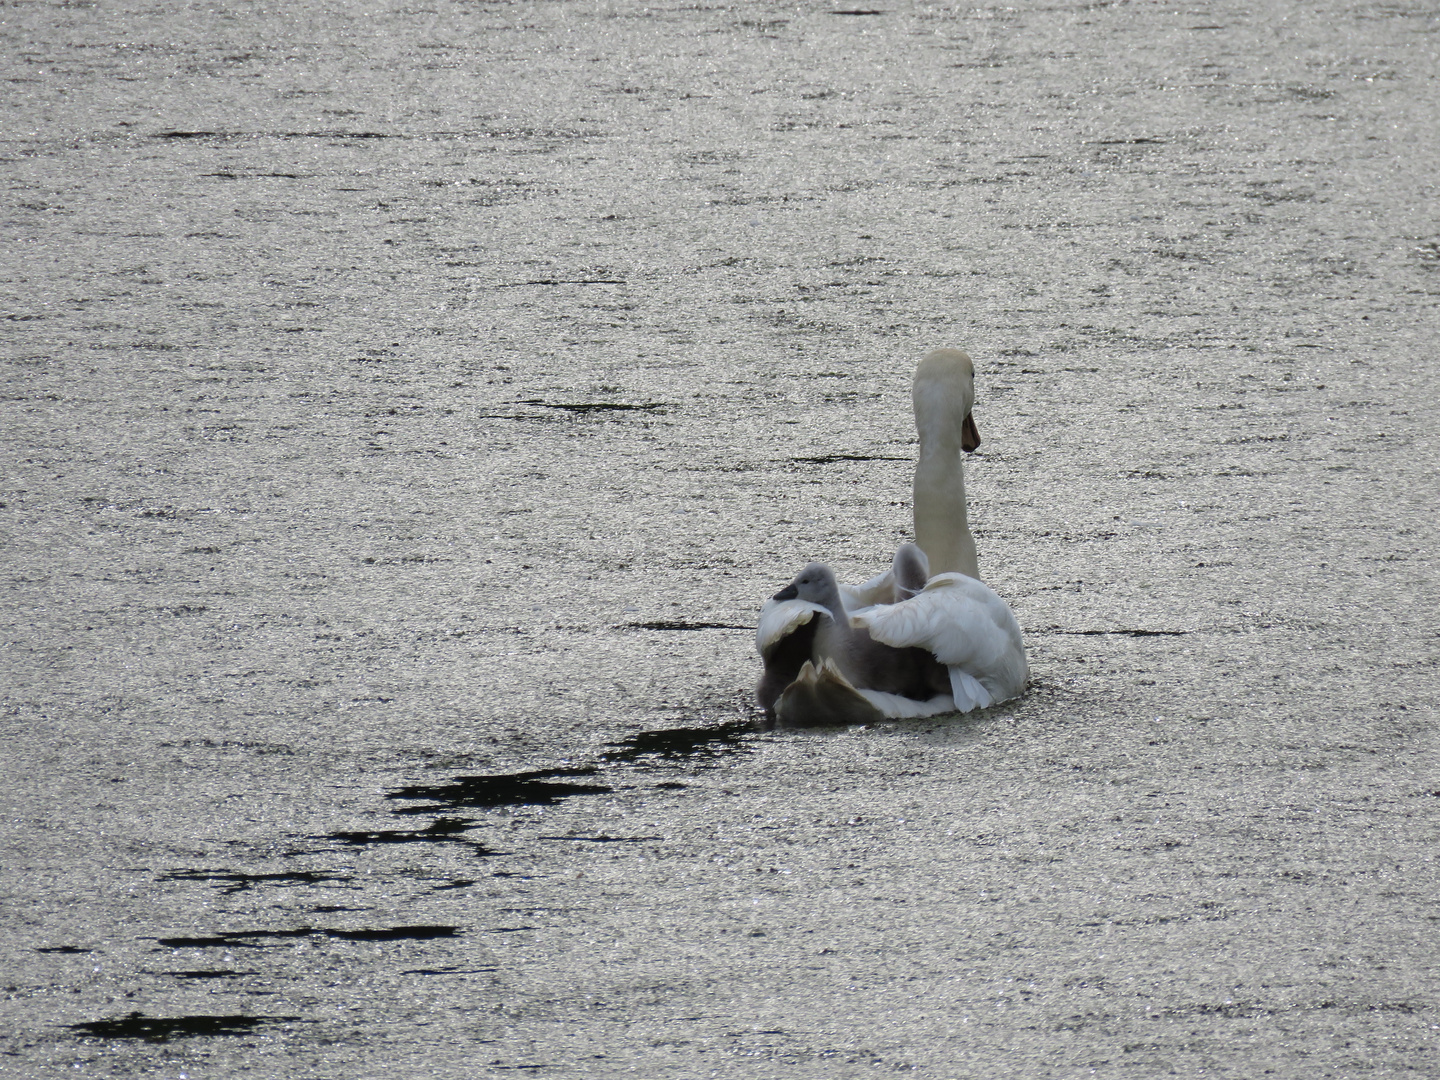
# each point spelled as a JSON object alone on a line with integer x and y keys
{"x": 789, "y": 592}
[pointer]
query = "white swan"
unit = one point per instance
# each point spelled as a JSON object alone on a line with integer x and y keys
{"x": 965, "y": 626}
{"x": 887, "y": 648}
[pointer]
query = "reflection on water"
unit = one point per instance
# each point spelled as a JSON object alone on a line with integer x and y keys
{"x": 358, "y": 390}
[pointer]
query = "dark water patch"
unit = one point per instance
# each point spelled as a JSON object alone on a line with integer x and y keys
{"x": 403, "y": 560}
{"x": 538, "y": 788}
{"x": 1261, "y": 190}
{"x": 857, "y": 11}
{"x": 1115, "y": 633}
{"x": 684, "y": 742}
{"x": 208, "y": 974}
{"x": 394, "y": 933}
{"x": 560, "y": 281}
{"x": 449, "y": 971}
{"x": 324, "y": 133}
{"x": 440, "y": 831}
{"x": 65, "y": 950}
{"x": 1247, "y": 1009}
{"x": 239, "y": 881}
{"x": 241, "y": 939}
{"x": 1075, "y": 538}
{"x": 584, "y": 407}
{"x": 330, "y": 134}
{"x": 262, "y": 748}
{"x": 680, "y": 624}
{"x": 253, "y": 939}
{"x": 832, "y": 459}
{"x": 163, "y": 1028}
{"x": 1241, "y": 440}
{"x": 252, "y": 175}
{"x": 604, "y": 839}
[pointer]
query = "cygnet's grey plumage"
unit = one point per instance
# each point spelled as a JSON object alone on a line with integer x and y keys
{"x": 909, "y": 570}
{"x": 865, "y": 663}
{"x": 820, "y": 695}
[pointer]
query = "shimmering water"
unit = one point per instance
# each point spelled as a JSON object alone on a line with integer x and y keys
{"x": 406, "y": 410}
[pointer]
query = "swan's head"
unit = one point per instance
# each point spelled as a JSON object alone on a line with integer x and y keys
{"x": 815, "y": 583}
{"x": 944, "y": 394}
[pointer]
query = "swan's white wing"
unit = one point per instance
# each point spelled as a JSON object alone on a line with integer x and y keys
{"x": 781, "y": 618}
{"x": 967, "y": 627}
{"x": 956, "y": 617}
{"x": 880, "y": 589}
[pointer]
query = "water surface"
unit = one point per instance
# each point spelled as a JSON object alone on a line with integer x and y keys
{"x": 406, "y": 412}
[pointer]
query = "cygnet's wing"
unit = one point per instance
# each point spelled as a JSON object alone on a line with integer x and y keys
{"x": 880, "y": 589}
{"x": 786, "y": 639}
{"x": 781, "y": 618}
{"x": 822, "y": 696}
{"x": 964, "y": 625}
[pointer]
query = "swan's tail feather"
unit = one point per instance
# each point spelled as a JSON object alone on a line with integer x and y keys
{"x": 969, "y": 693}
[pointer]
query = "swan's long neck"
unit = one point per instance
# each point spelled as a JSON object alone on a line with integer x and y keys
{"x": 943, "y": 393}
{"x": 942, "y": 527}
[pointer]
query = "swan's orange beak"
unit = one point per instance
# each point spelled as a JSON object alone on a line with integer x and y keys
{"x": 969, "y": 434}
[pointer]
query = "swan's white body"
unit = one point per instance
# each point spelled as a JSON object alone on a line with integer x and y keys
{"x": 959, "y": 620}
{"x": 967, "y": 627}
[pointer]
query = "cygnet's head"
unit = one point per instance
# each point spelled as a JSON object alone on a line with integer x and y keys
{"x": 815, "y": 583}
{"x": 911, "y": 571}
